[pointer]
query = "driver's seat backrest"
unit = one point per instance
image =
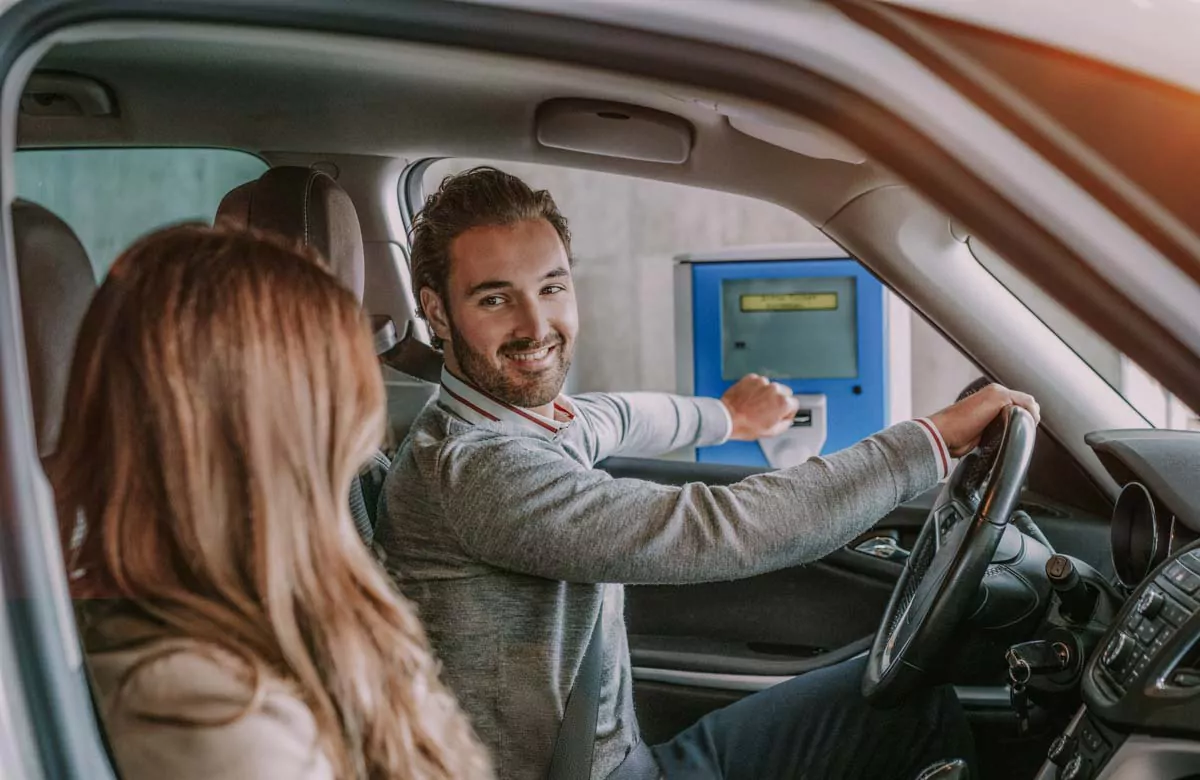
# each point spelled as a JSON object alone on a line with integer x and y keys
{"x": 308, "y": 206}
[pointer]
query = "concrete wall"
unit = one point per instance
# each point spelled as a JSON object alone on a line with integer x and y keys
{"x": 625, "y": 232}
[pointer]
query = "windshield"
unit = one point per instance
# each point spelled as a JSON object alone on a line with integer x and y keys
{"x": 1153, "y": 401}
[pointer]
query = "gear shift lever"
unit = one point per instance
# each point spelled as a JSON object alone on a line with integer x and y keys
{"x": 950, "y": 769}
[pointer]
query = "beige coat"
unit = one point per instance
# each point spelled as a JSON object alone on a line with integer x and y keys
{"x": 276, "y": 738}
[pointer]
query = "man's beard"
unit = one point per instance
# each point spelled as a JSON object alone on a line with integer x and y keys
{"x": 512, "y": 387}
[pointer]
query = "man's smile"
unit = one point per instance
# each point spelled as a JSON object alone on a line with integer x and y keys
{"x": 538, "y": 358}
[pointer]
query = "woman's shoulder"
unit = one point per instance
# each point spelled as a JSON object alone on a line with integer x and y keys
{"x": 168, "y": 677}
{"x": 184, "y": 709}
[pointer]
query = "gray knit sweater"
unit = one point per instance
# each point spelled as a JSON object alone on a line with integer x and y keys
{"x": 502, "y": 533}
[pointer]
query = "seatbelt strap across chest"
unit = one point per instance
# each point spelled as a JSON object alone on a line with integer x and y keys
{"x": 575, "y": 744}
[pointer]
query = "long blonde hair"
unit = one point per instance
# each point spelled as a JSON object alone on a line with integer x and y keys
{"x": 223, "y": 395}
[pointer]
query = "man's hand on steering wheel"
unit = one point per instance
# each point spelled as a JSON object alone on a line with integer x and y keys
{"x": 962, "y": 423}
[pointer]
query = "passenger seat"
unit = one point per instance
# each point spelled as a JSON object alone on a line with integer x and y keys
{"x": 56, "y": 285}
{"x": 308, "y": 206}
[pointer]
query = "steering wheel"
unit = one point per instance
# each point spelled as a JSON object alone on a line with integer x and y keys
{"x": 940, "y": 582}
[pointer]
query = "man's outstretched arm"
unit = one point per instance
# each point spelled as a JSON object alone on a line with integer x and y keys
{"x": 652, "y": 424}
{"x": 517, "y": 503}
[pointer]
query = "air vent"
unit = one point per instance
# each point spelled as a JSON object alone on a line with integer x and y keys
{"x": 66, "y": 95}
{"x": 614, "y": 130}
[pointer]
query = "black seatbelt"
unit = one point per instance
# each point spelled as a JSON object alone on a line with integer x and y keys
{"x": 576, "y": 741}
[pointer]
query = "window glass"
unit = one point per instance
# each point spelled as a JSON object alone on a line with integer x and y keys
{"x": 1154, "y": 402}
{"x": 110, "y": 197}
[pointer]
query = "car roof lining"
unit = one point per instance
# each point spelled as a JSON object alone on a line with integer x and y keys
{"x": 243, "y": 88}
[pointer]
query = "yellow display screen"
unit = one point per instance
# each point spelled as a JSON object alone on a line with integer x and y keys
{"x": 823, "y": 301}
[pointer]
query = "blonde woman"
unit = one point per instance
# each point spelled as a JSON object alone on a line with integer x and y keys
{"x": 223, "y": 394}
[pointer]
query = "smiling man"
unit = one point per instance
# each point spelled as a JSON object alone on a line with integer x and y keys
{"x": 515, "y": 547}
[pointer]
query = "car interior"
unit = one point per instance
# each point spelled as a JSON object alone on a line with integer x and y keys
{"x": 1065, "y": 611}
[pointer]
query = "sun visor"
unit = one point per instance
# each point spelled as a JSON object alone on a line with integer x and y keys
{"x": 792, "y": 133}
{"x": 614, "y": 130}
{"x": 55, "y": 94}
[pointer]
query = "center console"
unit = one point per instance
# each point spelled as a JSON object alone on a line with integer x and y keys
{"x": 1141, "y": 689}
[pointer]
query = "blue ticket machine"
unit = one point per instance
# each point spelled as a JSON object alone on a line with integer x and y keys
{"x": 808, "y": 317}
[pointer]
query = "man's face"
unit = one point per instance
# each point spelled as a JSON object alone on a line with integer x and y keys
{"x": 509, "y": 321}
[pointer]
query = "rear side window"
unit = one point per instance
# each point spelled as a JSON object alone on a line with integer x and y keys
{"x": 110, "y": 197}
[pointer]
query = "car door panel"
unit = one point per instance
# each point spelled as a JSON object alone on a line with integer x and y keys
{"x": 782, "y": 622}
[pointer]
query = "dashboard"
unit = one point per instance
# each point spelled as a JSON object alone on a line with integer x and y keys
{"x": 1141, "y": 688}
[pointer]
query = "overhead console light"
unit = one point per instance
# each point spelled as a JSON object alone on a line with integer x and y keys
{"x": 614, "y": 130}
{"x": 49, "y": 93}
{"x": 792, "y": 133}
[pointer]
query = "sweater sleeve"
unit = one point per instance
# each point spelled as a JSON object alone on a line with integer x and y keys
{"x": 650, "y": 424}
{"x": 517, "y": 503}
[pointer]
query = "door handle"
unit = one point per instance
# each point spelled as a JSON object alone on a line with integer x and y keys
{"x": 884, "y": 547}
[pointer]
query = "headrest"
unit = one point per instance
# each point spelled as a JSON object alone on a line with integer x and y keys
{"x": 57, "y": 284}
{"x": 308, "y": 206}
{"x": 409, "y": 354}
{"x": 235, "y": 206}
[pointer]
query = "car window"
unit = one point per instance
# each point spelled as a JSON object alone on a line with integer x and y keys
{"x": 1154, "y": 402}
{"x": 110, "y": 197}
{"x": 629, "y": 238}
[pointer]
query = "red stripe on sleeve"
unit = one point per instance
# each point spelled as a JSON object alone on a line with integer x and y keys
{"x": 943, "y": 456}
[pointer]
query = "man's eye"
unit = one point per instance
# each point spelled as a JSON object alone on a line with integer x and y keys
{"x": 491, "y": 300}
{"x": 552, "y": 289}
